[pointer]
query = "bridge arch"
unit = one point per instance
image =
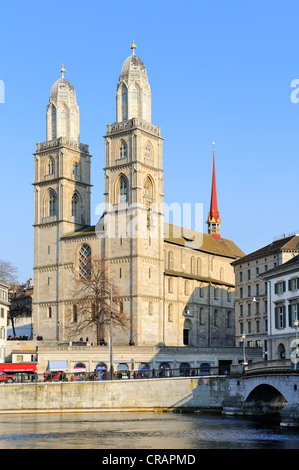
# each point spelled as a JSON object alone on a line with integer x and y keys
{"x": 264, "y": 399}
{"x": 266, "y": 393}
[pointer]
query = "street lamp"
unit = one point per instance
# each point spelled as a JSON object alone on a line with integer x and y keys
{"x": 244, "y": 357}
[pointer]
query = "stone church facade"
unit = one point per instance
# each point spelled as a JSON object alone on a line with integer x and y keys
{"x": 176, "y": 285}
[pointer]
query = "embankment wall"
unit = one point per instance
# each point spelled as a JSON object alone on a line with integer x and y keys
{"x": 155, "y": 394}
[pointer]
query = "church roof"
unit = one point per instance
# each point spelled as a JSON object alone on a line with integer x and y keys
{"x": 201, "y": 241}
{"x": 182, "y": 237}
{"x": 61, "y": 85}
{"x": 133, "y": 63}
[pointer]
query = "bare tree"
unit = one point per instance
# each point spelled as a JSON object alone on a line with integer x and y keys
{"x": 8, "y": 272}
{"x": 92, "y": 302}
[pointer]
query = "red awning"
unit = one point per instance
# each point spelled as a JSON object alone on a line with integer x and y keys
{"x": 18, "y": 367}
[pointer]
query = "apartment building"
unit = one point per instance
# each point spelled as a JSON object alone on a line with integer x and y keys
{"x": 251, "y": 295}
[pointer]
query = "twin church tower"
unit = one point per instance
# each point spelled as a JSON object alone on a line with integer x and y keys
{"x": 162, "y": 279}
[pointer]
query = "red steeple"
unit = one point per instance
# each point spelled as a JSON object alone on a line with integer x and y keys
{"x": 214, "y": 216}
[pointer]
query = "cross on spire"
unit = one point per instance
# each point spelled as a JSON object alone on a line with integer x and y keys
{"x": 62, "y": 70}
{"x": 133, "y": 47}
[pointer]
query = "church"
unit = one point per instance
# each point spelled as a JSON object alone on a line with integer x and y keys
{"x": 176, "y": 285}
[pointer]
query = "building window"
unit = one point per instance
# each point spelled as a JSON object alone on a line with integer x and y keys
{"x": 123, "y": 190}
{"x": 75, "y": 205}
{"x": 49, "y": 312}
{"x": 53, "y": 122}
{"x": 248, "y": 274}
{"x": 241, "y": 292}
{"x": 122, "y": 150}
{"x": 293, "y": 313}
{"x": 150, "y": 308}
{"x": 248, "y": 291}
{"x": 51, "y": 166}
{"x": 293, "y": 284}
{"x": 148, "y": 189}
{"x": 248, "y": 309}
{"x": 170, "y": 285}
{"x": 170, "y": 312}
{"x": 75, "y": 314}
{"x": 76, "y": 169}
{"x": 241, "y": 310}
{"x": 240, "y": 276}
{"x": 124, "y": 104}
{"x": 52, "y": 204}
{"x": 84, "y": 261}
{"x": 280, "y": 317}
{"x": 148, "y": 152}
{"x": 280, "y": 287}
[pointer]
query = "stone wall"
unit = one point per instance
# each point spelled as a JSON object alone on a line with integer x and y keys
{"x": 155, "y": 394}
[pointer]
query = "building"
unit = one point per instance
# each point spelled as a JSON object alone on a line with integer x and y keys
{"x": 283, "y": 308}
{"x": 251, "y": 302}
{"x": 4, "y": 306}
{"x": 176, "y": 285}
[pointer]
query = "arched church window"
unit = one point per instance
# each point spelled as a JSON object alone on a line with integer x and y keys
{"x": 75, "y": 313}
{"x": 124, "y": 102}
{"x": 75, "y": 205}
{"x": 123, "y": 190}
{"x": 148, "y": 152}
{"x": 76, "y": 168}
{"x": 52, "y": 204}
{"x": 122, "y": 150}
{"x": 64, "y": 118}
{"x": 51, "y": 166}
{"x": 53, "y": 122}
{"x": 84, "y": 261}
{"x": 148, "y": 189}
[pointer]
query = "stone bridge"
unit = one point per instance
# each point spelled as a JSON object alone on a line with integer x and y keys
{"x": 271, "y": 387}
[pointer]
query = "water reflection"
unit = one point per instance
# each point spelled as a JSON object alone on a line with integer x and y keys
{"x": 141, "y": 431}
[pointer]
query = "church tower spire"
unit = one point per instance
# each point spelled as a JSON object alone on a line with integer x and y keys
{"x": 214, "y": 216}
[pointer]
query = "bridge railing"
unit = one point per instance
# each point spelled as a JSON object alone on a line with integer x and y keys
{"x": 268, "y": 366}
{"x": 100, "y": 375}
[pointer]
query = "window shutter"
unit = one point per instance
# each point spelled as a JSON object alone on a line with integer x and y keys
{"x": 290, "y": 314}
{"x": 276, "y": 318}
{"x": 290, "y": 284}
{"x": 275, "y": 288}
{"x": 284, "y": 286}
{"x": 297, "y": 285}
{"x": 284, "y": 316}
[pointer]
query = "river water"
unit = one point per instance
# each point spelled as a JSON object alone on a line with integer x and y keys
{"x": 133, "y": 430}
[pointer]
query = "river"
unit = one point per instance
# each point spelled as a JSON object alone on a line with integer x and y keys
{"x": 133, "y": 430}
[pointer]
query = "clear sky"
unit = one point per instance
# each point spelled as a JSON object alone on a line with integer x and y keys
{"x": 219, "y": 71}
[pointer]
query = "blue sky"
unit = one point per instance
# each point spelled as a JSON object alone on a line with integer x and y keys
{"x": 219, "y": 71}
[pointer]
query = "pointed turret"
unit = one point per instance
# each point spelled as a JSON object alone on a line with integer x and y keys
{"x": 214, "y": 216}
